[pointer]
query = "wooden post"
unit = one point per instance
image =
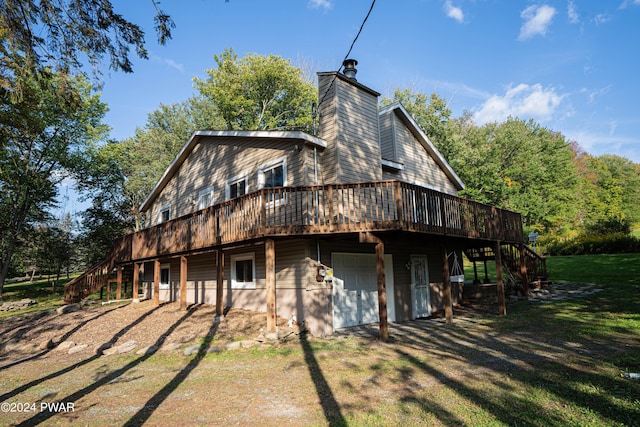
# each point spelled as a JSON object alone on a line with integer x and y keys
{"x": 446, "y": 278}
{"x": 502, "y": 305}
{"x": 220, "y": 284}
{"x": 119, "y": 283}
{"x": 382, "y": 293}
{"x": 136, "y": 282}
{"x": 524, "y": 274}
{"x": 367, "y": 237}
{"x": 156, "y": 282}
{"x": 183, "y": 283}
{"x": 270, "y": 255}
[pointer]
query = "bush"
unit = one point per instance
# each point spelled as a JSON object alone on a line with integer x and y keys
{"x": 593, "y": 244}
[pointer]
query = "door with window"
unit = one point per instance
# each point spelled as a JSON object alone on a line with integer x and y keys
{"x": 420, "y": 290}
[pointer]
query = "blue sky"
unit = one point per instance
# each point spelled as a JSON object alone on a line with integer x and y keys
{"x": 571, "y": 65}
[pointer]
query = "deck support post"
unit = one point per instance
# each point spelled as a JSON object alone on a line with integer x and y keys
{"x": 382, "y": 285}
{"x": 119, "y": 282}
{"x": 156, "y": 283}
{"x": 446, "y": 279}
{"x": 183, "y": 283}
{"x": 502, "y": 305}
{"x": 524, "y": 274}
{"x": 136, "y": 282}
{"x": 220, "y": 284}
{"x": 270, "y": 257}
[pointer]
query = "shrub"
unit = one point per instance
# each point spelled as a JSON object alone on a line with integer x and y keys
{"x": 593, "y": 244}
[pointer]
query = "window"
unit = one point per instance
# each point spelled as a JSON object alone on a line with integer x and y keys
{"x": 243, "y": 271}
{"x": 164, "y": 215}
{"x": 205, "y": 198}
{"x": 165, "y": 278}
{"x": 236, "y": 187}
{"x": 273, "y": 174}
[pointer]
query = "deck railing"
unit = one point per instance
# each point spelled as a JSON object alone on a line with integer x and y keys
{"x": 325, "y": 209}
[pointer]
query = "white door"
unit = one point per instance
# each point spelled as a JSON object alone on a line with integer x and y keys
{"x": 355, "y": 289}
{"x": 420, "y": 290}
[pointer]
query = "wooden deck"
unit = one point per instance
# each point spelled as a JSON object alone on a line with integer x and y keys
{"x": 323, "y": 209}
{"x": 310, "y": 210}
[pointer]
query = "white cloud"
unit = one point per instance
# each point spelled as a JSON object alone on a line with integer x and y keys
{"x": 324, "y": 4}
{"x": 168, "y": 62}
{"x": 572, "y": 12}
{"x": 523, "y": 101}
{"x": 537, "y": 20}
{"x": 453, "y": 11}
{"x": 602, "y": 18}
{"x": 627, "y": 3}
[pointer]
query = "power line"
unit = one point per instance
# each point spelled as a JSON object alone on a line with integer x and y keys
{"x": 348, "y": 53}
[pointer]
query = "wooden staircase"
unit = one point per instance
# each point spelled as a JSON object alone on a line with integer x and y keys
{"x": 96, "y": 279}
{"x": 536, "y": 266}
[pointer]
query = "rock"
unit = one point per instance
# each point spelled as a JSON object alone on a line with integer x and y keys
{"x": 127, "y": 346}
{"x": 77, "y": 348}
{"x": 248, "y": 343}
{"x": 171, "y": 346}
{"x": 232, "y": 345}
{"x": 150, "y": 349}
{"x": 192, "y": 349}
{"x": 103, "y": 347}
{"x": 109, "y": 351}
{"x": 65, "y": 345}
{"x": 46, "y": 345}
{"x": 69, "y": 308}
{"x": 17, "y": 305}
{"x": 215, "y": 349}
{"x": 272, "y": 336}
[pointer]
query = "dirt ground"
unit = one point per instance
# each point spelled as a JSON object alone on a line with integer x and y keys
{"x": 413, "y": 379}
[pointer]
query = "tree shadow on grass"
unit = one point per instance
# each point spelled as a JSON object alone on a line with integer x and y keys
{"x": 156, "y": 400}
{"x": 103, "y": 380}
{"x": 514, "y": 364}
{"x": 330, "y": 406}
{"x": 62, "y": 339}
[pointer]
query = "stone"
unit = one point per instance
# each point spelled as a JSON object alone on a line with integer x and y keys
{"x": 46, "y": 345}
{"x": 232, "y": 345}
{"x": 127, "y": 346}
{"x": 171, "y": 346}
{"x": 150, "y": 349}
{"x": 65, "y": 345}
{"x": 215, "y": 349}
{"x": 272, "y": 336}
{"x": 248, "y": 343}
{"x": 192, "y": 349}
{"x": 69, "y": 308}
{"x": 109, "y": 351}
{"x": 17, "y": 305}
{"x": 77, "y": 348}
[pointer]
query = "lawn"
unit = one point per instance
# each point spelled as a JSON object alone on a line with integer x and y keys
{"x": 558, "y": 363}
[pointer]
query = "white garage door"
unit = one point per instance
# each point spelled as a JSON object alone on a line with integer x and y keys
{"x": 355, "y": 289}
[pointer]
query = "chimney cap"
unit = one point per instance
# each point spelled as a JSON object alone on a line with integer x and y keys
{"x": 350, "y": 68}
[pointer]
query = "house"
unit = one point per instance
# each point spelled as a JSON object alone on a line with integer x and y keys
{"x": 360, "y": 223}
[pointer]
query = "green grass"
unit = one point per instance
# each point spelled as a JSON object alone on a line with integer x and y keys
{"x": 40, "y": 291}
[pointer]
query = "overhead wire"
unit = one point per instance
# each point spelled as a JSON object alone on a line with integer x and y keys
{"x": 347, "y": 55}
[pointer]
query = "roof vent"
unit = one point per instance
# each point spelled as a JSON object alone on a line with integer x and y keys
{"x": 350, "y": 68}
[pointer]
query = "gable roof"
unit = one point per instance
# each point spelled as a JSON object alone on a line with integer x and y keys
{"x": 424, "y": 140}
{"x": 195, "y": 137}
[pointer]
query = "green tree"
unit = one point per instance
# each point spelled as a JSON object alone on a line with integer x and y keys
{"x": 43, "y": 140}
{"x": 258, "y": 92}
{"x": 59, "y": 35}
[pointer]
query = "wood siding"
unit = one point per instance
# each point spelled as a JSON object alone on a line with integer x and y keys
{"x": 388, "y": 137}
{"x": 215, "y": 160}
{"x": 419, "y": 167}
